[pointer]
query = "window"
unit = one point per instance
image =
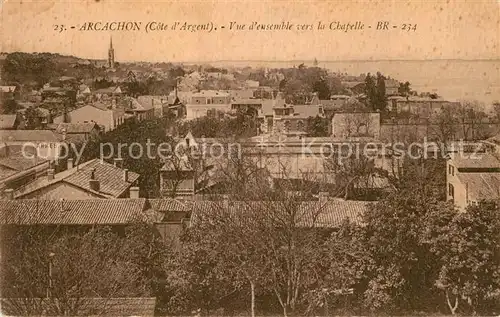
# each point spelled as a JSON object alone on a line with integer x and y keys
{"x": 287, "y": 125}
{"x": 451, "y": 170}
{"x": 300, "y": 125}
{"x": 451, "y": 191}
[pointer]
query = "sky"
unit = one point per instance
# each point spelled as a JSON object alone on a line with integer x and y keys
{"x": 445, "y": 30}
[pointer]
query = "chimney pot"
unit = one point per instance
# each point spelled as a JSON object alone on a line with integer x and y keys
{"x": 9, "y": 193}
{"x": 70, "y": 163}
{"x": 50, "y": 174}
{"x": 134, "y": 192}
{"x": 118, "y": 162}
{"x": 125, "y": 175}
{"x": 92, "y": 173}
{"x": 94, "y": 185}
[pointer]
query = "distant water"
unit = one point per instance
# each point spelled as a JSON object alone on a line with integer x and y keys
{"x": 452, "y": 79}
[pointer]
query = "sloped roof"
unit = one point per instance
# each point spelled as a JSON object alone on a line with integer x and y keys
{"x": 19, "y": 162}
{"x": 27, "y": 135}
{"x": 7, "y": 121}
{"x": 77, "y": 127}
{"x": 167, "y": 204}
{"x": 475, "y": 160}
{"x": 109, "y": 176}
{"x": 322, "y": 214}
{"x": 481, "y": 185}
{"x": 73, "y": 212}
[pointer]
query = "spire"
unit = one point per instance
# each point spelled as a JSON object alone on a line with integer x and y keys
{"x": 111, "y": 42}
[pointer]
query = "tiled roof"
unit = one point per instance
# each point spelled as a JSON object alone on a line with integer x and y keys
{"x": 109, "y": 176}
{"x": 475, "y": 160}
{"x": 167, "y": 204}
{"x": 481, "y": 185}
{"x": 210, "y": 93}
{"x": 327, "y": 214}
{"x": 85, "y": 127}
{"x": 7, "y": 121}
{"x": 247, "y": 101}
{"x": 27, "y": 135}
{"x": 19, "y": 163}
{"x": 140, "y": 306}
{"x": 306, "y": 111}
{"x": 73, "y": 212}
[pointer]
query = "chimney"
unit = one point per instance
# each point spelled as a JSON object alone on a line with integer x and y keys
{"x": 125, "y": 175}
{"x": 323, "y": 197}
{"x": 118, "y": 161}
{"x": 93, "y": 182}
{"x": 70, "y": 163}
{"x": 134, "y": 192}
{"x": 9, "y": 193}
{"x": 50, "y": 174}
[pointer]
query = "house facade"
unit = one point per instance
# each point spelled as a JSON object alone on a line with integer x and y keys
{"x": 471, "y": 178}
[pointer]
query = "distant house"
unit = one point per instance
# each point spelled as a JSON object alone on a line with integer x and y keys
{"x": 160, "y": 104}
{"x": 356, "y": 87}
{"x": 391, "y": 87}
{"x": 106, "y": 93}
{"x": 422, "y": 107}
{"x": 471, "y": 178}
{"x": 207, "y": 101}
{"x": 177, "y": 178}
{"x": 252, "y": 83}
{"x": 92, "y": 179}
{"x": 17, "y": 169}
{"x": 45, "y": 143}
{"x": 78, "y": 132}
{"x": 107, "y": 116}
{"x": 141, "y": 111}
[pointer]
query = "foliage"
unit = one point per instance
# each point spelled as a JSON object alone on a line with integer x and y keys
{"x": 317, "y": 127}
{"x": 84, "y": 263}
{"x": 466, "y": 247}
{"x": 375, "y": 91}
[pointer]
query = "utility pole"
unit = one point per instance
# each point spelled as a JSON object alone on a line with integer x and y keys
{"x": 49, "y": 288}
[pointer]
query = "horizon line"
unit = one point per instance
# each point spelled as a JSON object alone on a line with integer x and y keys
{"x": 274, "y": 61}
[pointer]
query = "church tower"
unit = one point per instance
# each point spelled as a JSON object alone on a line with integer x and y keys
{"x": 111, "y": 54}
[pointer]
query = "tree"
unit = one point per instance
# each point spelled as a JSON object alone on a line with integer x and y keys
{"x": 468, "y": 253}
{"x": 404, "y": 89}
{"x": 84, "y": 263}
{"x": 317, "y": 126}
{"x": 322, "y": 88}
{"x": 470, "y": 115}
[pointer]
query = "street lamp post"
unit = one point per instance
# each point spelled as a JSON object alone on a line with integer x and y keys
{"x": 49, "y": 288}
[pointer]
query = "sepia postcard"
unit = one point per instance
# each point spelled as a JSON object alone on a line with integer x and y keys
{"x": 249, "y": 158}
